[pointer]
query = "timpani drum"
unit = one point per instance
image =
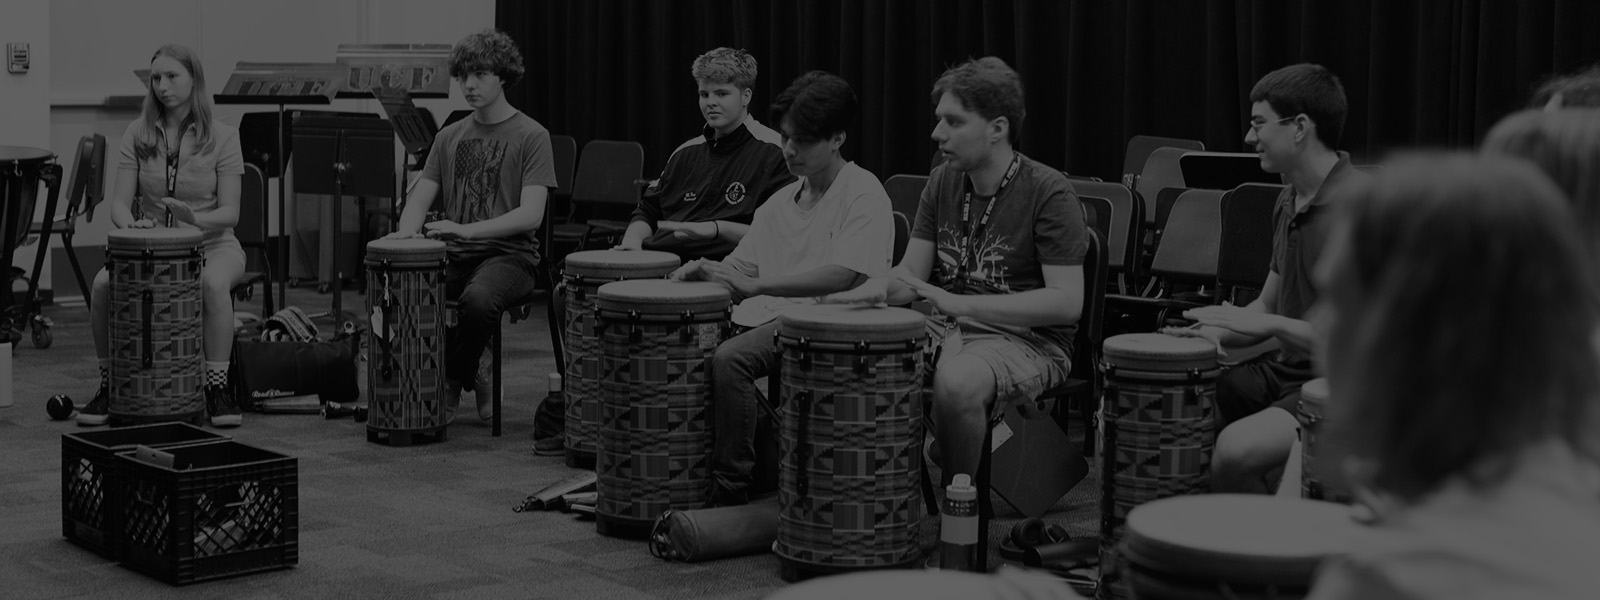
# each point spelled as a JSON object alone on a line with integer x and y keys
{"x": 405, "y": 343}
{"x": 1231, "y": 546}
{"x": 1321, "y": 475}
{"x": 21, "y": 170}
{"x": 157, "y": 337}
{"x": 850, "y": 434}
{"x": 582, "y": 276}
{"x": 657, "y": 340}
{"x": 1157, "y": 429}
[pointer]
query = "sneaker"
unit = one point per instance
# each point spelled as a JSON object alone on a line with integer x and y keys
{"x": 721, "y": 496}
{"x": 550, "y": 425}
{"x": 452, "y": 398}
{"x": 483, "y": 387}
{"x": 550, "y": 446}
{"x": 224, "y": 411}
{"x": 98, "y": 410}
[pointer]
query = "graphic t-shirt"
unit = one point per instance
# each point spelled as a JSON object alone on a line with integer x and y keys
{"x": 481, "y": 170}
{"x": 1036, "y": 220}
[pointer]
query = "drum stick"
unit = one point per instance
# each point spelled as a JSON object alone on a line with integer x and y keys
{"x": 169, "y": 217}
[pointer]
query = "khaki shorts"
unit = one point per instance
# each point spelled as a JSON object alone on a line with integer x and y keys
{"x": 1022, "y": 367}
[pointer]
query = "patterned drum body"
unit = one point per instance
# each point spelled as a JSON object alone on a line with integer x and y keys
{"x": 405, "y": 342}
{"x": 1157, "y": 429}
{"x": 657, "y": 339}
{"x": 850, "y": 438}
{"x": 157, "y": 354}
{"x": 1321, "y": 477}
{"x": 1230, "y": 546}
{"x": 582, "y": 276}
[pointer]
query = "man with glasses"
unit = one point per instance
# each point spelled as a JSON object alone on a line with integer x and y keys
{"x": 1297, "y": 115}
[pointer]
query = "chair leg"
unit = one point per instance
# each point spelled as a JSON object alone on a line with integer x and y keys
{"x": 985, "y": 505}
{"x": 495, "y": 341}
{"x": 77, "y": 270}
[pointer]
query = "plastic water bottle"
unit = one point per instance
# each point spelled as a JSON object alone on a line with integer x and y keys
{"x": 958, "y": 526}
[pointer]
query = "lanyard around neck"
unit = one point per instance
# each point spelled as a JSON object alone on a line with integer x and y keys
{"x": 983, "y": 221}
{"x": 173, "y": 154}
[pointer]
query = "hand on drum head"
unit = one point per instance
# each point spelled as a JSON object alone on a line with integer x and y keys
{"x": 1235, "y": 318}
{"x": 685, "y": 230}
{"x": 690, "y": 271}
{"x": 628, "y": 245}
{"x": 142, "y": 224}
{"x": 954, "y": 305}
{"x": 742, "y": 286}
{"x": 178, "y": 210}
{"x": 875, "y": 292}
{"x": 1195, "y": 331}
{"x": 402, "y": 235}
{"x": 447, "y": 230}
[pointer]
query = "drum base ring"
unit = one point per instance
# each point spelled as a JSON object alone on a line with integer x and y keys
{"x": 580, "y": 459}
{"x": 623, "y": 528}
{"x": 196, "y": 418}
{"x": 395, "y": 437}
{"x": 794, "y": 570}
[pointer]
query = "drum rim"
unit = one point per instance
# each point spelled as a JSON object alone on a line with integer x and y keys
{"x": 46, "y": 157}
{"x": 707, "y": 293}
{"x": 1269, "y": 566}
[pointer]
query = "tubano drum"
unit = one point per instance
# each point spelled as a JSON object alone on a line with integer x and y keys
{"x": 657, "y": 339}
{"x": 1231, "y": 546}
{"x": 157, "y": 360}
{"x": 850, "y": 406}
{"x": 1157, "y": 429}
{"x": 1321, "y": 475}
{"x": 582, "y": 276}
{"x": 405, "y": 342}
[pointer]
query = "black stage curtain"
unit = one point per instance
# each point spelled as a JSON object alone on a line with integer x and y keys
{"x": 1417, "y": 72}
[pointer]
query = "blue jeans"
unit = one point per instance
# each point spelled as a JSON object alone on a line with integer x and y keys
{"x": 484, "y": 287}
{"x": 738, "y": 363}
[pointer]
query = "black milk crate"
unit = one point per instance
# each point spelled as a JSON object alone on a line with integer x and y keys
{"x": 208, "y": 511}
{"x": 88, "y": 499}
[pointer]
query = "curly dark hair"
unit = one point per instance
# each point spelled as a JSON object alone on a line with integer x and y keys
{"x": 816, "y": 105}
{"x": 487, "y": 50}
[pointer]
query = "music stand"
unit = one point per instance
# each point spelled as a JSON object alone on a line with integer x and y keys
{"x": 342, "y": 156}
{"x": 1223, "y": 170}
{"x": 281, "y": 84}
{"x": 415, "y": 129}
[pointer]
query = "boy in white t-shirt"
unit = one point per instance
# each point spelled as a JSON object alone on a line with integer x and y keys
{"x": 825, "y": 233}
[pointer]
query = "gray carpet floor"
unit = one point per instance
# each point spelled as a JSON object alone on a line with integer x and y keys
{"x": 427, "y": 521}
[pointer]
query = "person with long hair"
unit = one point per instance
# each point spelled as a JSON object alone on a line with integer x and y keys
{"x": 179, "y": 168}
{"x": 1458, "y": 341}
{"x": 1566, "y": 145}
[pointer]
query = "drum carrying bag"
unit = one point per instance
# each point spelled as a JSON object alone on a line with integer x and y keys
{"x": 713, "y": 533}
{"x": 284, "y": 376}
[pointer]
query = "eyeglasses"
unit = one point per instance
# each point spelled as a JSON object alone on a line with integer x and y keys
{"x": 1257, "y": 125}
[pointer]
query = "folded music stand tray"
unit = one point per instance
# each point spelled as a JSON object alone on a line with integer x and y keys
{"x": 341, "y": 156}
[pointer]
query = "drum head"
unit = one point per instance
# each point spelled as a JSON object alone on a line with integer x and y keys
{"x": 407, "y": 250}
{"x": 620, "y": 264}
{"x": 659, "y": 296}
{"x": 1237, "y": 537}
{"x": 850, "y": 323}
{"x": 158, "y": 238}
{"x": 24, "y": 155}
{"x": 1159, "y": 352}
